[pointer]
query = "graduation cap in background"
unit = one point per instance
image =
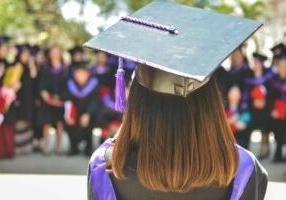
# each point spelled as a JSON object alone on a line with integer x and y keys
{"x": 23, "y": 47}
{"x": 282, "y": 55}
{"x": 4, "y": 39}
{"x": 278, "y": 50}
{"x": 76, "y": 49}
{"x": 34, "y": 49}
{"x": 262, "y": 58}
{"x": 177, "y": 47}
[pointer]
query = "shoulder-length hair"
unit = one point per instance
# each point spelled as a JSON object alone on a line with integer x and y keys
{"x": 181, "y": 143}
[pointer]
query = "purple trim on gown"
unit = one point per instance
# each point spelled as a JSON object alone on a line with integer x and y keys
{"x": 244, "y": 172}
{"x": 102, "y": 187}
{"x": 100, "y": 181}
{"x": 84, "y": 91}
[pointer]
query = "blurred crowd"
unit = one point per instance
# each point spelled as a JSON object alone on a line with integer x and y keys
{"x": 73, "y": 92}
{"x": 43, "y": 88}
{"x": 255, "y": 97}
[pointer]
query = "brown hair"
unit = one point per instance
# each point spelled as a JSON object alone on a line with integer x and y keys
{"x": 180, "y": 142}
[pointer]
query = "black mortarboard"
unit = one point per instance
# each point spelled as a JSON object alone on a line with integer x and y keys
{"x": 259, "y": 56}
{"x": 4, "y": 39}
{"x": 34, "y": 49}
{"x": 179, "y": 46}
{"x": 76, "y": 49}
{"x": 22, "y": 47}
{"x": 281, "y": 56}
{"x": 278, "y": 49}
{"x": 79, "y": 65}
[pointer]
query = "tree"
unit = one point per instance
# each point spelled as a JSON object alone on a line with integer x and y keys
{"x": 40, "y": 20}
{"x": 253, "y": 10}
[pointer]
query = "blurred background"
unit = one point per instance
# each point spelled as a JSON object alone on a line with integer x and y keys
{"x": 57, "y": 99}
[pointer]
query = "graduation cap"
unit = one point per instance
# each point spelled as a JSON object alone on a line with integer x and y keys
{"x": 179, "y": 46}
{"x": 259, "y": 56}
{"x": 4, "y": 39}
{"x": 281, "y": 56}
{"x": 278, "y": 50}
{"x": 76, "y": 49}
{"x": 34, "y": 49}
{"x": 22, "y": 47}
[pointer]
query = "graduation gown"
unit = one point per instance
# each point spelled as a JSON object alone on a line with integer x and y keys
{"x": 257, "y": 89}
{"x": 277, "y": 102}
{"x": 84, "y": 98}
{"x": 250, "y": 182}
{"x": 54, "y": 82}
{"x": 106, "y": 83}
{"x": 22, "y": 107}
{"x": 236, "y": 76}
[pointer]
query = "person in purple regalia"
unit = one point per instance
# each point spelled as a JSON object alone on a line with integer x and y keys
{"x": 52, "y": 89}
{"x": 82, "y": 107}
{"x": 103, "y": 69}
{"x": 238, "y": 68}
{"x": 174, "y": 141}
{"x": 255, "y": 99}
{"x": 277, "y": 101}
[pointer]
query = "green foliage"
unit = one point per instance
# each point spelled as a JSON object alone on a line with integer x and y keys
{"x": 42, "y": 17}
{"x": 13, "y": 15}
{"x": 135, "y": 5}
{"x": 39, "y": 17}
{"x": 252, "y": 10}
{"x": 106, "y": 6}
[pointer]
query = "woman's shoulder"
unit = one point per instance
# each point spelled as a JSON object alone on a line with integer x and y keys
{"x": 101, "y": 154}
{"x": 251, "y": 178}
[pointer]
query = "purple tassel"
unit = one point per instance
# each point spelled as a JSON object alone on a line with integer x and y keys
{"x": 120, "y": 96}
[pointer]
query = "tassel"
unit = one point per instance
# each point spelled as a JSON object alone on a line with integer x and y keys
{"x": 120, "y": 96}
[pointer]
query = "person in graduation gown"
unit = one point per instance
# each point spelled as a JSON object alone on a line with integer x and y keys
{"x": 21, "y": 110}
{"x": 277, "y": 101}
{"x": 238, "y": 118}
{"x": 103, "y": 70}
{"x": 174, "y": 142}
{"x": 238, "y": 68}
{"x": 255, "y": 99}
{"x": 38, "y": 55}
{"x": 52, "y": 89}
{"x": 82, "y": 107}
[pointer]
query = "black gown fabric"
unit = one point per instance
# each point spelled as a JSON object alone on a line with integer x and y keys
{"x": 54, "y": 82}
{"x": 260, "y": 118}
{"x": 277, "y": 101}
{"x": 131, "y": 188}
{"x": 106, "y": 85}
{"x": 236, "y": 77}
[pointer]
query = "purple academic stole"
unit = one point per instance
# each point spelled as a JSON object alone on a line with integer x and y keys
{"x": 82, "y": 92}
{"x": 102, "y": 187}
